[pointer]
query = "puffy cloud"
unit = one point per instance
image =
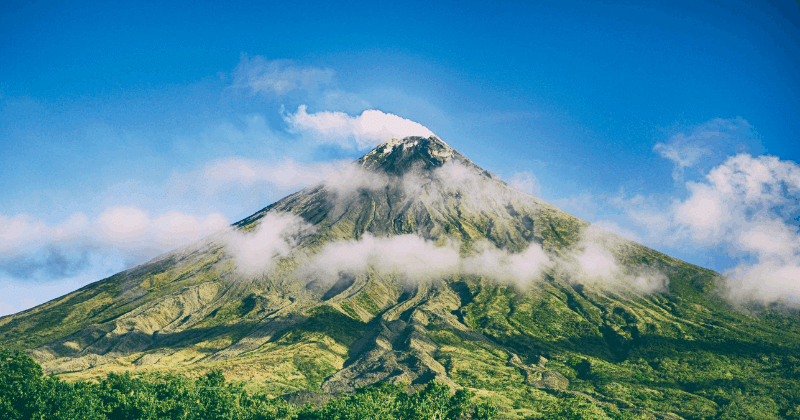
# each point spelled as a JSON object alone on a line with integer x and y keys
{"x": 409, "y": 255}
{"x": 29, "y": 245}
{"x": 123, "y": 224}
{"x": 364, "y": 131}
{"x": 520, "y": 268}
{"x": 746, "y": 208}
{"x": 742, "y": 194}
{"x": 23, "y": 233}
{"x": 747, "y": 203}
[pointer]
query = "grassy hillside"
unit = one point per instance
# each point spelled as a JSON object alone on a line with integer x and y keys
{"x": 562, "y": 343}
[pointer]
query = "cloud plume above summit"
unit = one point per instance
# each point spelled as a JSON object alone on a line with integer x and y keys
{"x": 364, "y": 131}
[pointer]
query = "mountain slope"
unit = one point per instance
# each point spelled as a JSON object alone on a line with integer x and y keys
{"x": 413, "y": 265}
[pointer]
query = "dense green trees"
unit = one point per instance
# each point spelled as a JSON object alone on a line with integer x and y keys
{"x": 25, "y": 393}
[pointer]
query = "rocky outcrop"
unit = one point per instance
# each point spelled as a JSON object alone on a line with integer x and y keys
{"x": 537, "y": 375}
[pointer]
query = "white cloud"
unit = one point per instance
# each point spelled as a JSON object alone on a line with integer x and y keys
{"x": 591, "y": 262}
{"x": 275, "y": 236}
{"x": 520, "y": 268}
{"x": 23, "y": 233}
{"x": 364, "y": 131}
{"x": 596, "y": 263}
{"x": 465, "y": 183}
{"x": 767, "y": 281}
{"x": 123, "y": 224}
{"x": 409, "y": 255}
{"x": 28, "y": 244}
{"x": 743, "y": 192}
{"x": 417, "y": 259}
{"x": 290, "y": 83}
{"x": 744, "y": 207}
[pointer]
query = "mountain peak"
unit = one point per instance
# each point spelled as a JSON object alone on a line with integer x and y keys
{"x": 397, "y": 156}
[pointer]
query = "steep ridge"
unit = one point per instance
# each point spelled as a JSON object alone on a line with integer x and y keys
{"x": 567, "y": 329}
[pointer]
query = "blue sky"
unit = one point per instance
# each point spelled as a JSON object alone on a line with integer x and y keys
{"x": 128, "y": 130}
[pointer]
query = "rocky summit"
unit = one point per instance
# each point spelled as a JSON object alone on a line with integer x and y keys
{"x": 414, "y": 264}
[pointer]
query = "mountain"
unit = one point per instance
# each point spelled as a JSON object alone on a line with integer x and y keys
{"x": 414, "y": 264}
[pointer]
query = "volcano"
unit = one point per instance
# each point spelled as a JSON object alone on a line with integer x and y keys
{"x": 414, "y": 264}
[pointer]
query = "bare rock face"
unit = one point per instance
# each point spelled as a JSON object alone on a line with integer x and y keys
{"x": 539, "y": 377}
{"x": 397, "y": 347}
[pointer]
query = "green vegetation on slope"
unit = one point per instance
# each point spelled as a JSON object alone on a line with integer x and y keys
{"x": 26, "y": 394}
{"x": 107, "y": 299}
{"x": 708, "y": 362}
{"x": 557, "y": 347}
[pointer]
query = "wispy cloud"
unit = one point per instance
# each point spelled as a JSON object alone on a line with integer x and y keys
{"x": 366, "y": 130}
{"x": 616, "y": 229}
{"x": 408, "y": 255}
{"x": 276, "y": 235}
{"x": 132, "y": 228}
{"x": 584, "y": 206}
{"x": 681, "y": 154}
{"x": 259, "y": 75}
{"x": 526, "y": 182}
{"x": 707, "y": 143}
{"x": 592, "y": 262}
{"x": 290, "y": 83}
{"x": 287, "y": 174}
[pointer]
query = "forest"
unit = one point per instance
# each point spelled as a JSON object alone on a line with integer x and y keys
{"x": 26, "y": 393}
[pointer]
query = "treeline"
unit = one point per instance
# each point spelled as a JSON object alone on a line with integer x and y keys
{"x": 26, "y": 393}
